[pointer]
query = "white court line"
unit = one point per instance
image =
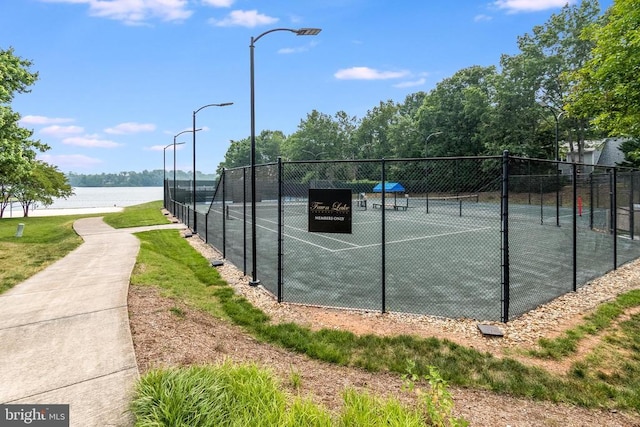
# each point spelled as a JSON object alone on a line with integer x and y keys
{"x": 387, "y": 243}
{"x": 302, "y": 240}
{"x": 354, "y": 246}
{"x": 441, "y": 224}
{"x": 304, "y": 231}
{"x": 415, "y": 238}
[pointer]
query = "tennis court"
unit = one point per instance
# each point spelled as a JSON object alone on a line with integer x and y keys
{"x": 446, "y": 262}
{"x": 442, "y": 248}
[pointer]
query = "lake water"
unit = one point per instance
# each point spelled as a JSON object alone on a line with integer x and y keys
{"x": 98, "y": 199}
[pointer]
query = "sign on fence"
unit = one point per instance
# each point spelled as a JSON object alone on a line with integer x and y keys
{"x": 329, "y": 210}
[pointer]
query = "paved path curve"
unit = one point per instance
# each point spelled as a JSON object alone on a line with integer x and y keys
{"x": 64, "y": 333}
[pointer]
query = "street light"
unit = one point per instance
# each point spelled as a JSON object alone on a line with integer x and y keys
{"x": 164, "y": 175}
{"x": 300, "y": 32}
{"x": 427, "y": 141}
{"x": 315, "y": 155}
{"x": 195, "y": 222}
{"x": 164, "y": 162}
{"x": 556, "y": 117}
{"x": 426, "y": 170}
{"x": 174, "y": 163}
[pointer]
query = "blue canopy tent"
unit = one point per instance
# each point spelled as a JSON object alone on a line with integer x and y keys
{"x": 390, "y": 187}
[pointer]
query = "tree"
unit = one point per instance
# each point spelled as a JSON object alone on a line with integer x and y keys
{"x": 318, "y": 137}
{"x": 269, "y": 146}
{"x": 238, "y": 154}
{"x": 607, "y": 86}
{"x": 460, "y": 108}
{"x": 42, "y": 184}
{"x": 372, "y": 136}
{"x": 538, "y": 73}
{"x": 17, "y": 150}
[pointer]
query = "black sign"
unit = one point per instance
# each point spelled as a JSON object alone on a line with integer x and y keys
{"x": 329, "y": 210}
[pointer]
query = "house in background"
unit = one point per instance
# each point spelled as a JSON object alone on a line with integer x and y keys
{"x": 602, "y": 152}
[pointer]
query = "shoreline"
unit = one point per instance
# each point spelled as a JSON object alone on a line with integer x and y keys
{"x": 39, "y": 212}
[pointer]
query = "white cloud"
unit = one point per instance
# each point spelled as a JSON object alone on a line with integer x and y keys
{"x": 135, "y": 12}
{"x": 70, "y": 161}
{"x": 515, "y": 6}
{"x": 482, "y": 18}
{"x": 290, "y": 50}
{"x": 61, "y": 131}
{"x": 164, "y": 147}
{"x": 42, "y": 120}
{"x": 244, "y": 18}
{"x": 218, "y": 3}
{"x": 413, "y": 83}
{"x": 90, "y": 141}
{"x": 130, "y": 127}
{"x": 366, "y": 73}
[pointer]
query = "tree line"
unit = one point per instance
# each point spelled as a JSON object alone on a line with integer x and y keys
{"x": 146, "y": 178}
{"x": 577, "y": 71}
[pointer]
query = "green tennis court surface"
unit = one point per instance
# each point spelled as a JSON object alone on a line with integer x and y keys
{"x": 445, "y": 263}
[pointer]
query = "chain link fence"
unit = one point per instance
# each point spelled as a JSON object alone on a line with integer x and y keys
{"x": 487, "y": 238}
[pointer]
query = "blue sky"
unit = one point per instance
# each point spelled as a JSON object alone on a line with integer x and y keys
{"x": 120, "y": 78}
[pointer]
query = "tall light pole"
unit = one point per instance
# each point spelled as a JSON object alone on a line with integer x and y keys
{"x": 300, "y": 32}
{"x": 164, "y": 175}
{"x": 316, "y": 156}
{"x": 194, "y": 130}
{"x": 174, "y": 163}
{"x": 556, "y": 117}
{"x": 426, "y": 169}
{"x": 174, "y": 169}
{"x": 427, "y": 141}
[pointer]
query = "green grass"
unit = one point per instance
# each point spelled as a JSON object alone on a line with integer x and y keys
{"x": 47, "y": 239}
{"x": 245, "y": 395}
{"x": 137, "y": 216}
{"x": 44, "y": 240}
{"x": 605, "y": 314}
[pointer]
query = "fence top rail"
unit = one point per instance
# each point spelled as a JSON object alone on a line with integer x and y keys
{"x": 447, "y": 158}
{"x": 598, "y": 167}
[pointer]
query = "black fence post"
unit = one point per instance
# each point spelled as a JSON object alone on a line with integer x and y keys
{"x": 529, "y": 178}
{"x": 504, "y": 228}
{"x": 541, "y": 204}
{"x": 426, "y": 185}
{"x": 614, "y": 214}
{"x": 244, "y": 220}
{"x": 223, "y": 177}
{"x": 574, "y": 172}
{"x": 591, "y": 201}
{"x": 384, "y": 224}
{"x": 557, "y": 195}
{"x": 631, "y": 208}
{"x": 280, "y": 228}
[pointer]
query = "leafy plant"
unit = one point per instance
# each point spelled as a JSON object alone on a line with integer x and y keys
{"x": 437, "y": 401}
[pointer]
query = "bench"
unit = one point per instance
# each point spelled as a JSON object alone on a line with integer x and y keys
{"x": 390, "y": 206}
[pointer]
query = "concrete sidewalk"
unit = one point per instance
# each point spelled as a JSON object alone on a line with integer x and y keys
{"x": 64, "y": 333}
